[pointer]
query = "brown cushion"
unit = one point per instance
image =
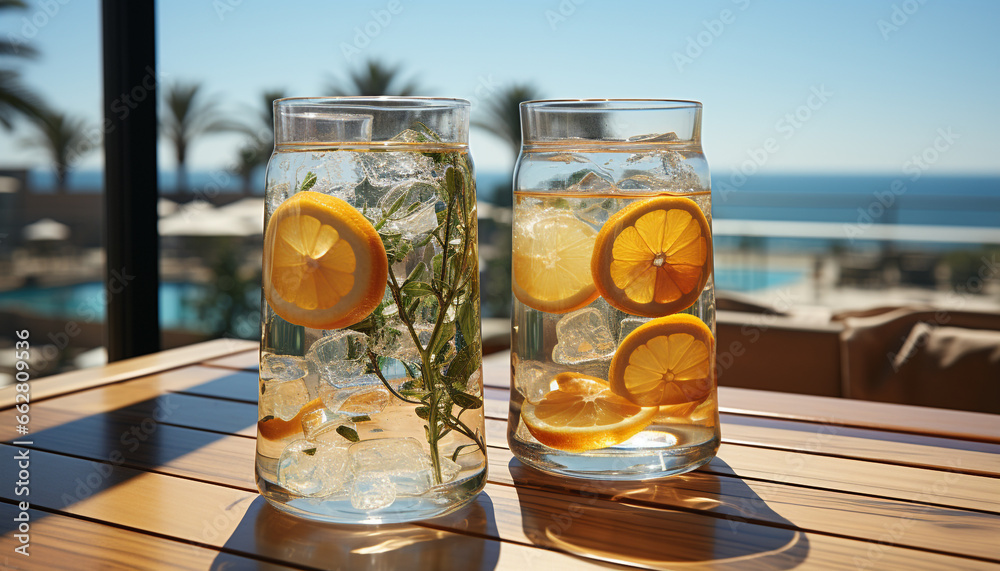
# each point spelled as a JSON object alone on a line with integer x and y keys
{"x": 919, "y": 358}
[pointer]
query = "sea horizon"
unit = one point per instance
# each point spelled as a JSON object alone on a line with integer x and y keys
{"x": 931, "y": 199}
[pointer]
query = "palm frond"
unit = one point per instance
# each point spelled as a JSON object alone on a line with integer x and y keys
{"x": 372, "y": 79}
{"x": 502, "y": 113}
{"x": 16, "y": 99}
{"x": 64, "y": 138}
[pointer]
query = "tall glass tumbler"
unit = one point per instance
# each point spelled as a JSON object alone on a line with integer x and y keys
{"x": 371, "y": 398}
{"x": 613, "y": 346}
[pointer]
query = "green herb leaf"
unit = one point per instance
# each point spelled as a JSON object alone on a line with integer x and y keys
{"x": 309, "y": 181}
{"x": 416, "y": 289}
{"x": 348, "y": 433}
{"x": 361, "y": 418}
{"x": 465, "y": 363}
{"x": 436, "y": 266}
{"x": 454, "y": 455}
{"x": 309, "y": 451}
{"x": 413, "y": 388}
{"x": 423, "y": 412}
{"x": 417, "y": 273}
{"x": 445, "y": 333}
{"x": 263, "y": 387}
{"x": 423, "y": 241}
{"x": 267, "y": 418}
{"x": 468, "y": 325}
{"x": 465, "y": 400}
{"x": 450, "y": 184}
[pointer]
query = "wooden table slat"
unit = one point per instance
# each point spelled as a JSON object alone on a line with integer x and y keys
{"x": 47, "y": 387}
{"x": 785, "y": 466}
{"x": 151, "y": 460}
{"x": 240, "y": 522}
{"x": 229, "y": 460}
{"x": 59, "y": 542}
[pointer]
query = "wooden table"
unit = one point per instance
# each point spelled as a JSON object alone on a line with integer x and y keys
{"x": 149, "y": 463}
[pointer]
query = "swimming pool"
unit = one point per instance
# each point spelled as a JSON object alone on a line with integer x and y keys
{"x": 86, "y": 302}
{"x": 752, "y": 279}
{"x": 179, "y": 301}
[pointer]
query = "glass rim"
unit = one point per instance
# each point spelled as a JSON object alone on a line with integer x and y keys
{"x": 613, "y": 104}
{"x": 399, "y": 102}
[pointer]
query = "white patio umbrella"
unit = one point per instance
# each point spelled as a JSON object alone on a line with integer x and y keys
{"x": 203, "y": 219}
{"x": 45, "y": 229}
{"x": 165, "y": 207}
{"x": 251, "y": 210}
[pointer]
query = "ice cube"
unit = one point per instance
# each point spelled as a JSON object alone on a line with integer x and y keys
{"x": 320, "y": 421}
{"x": 387, "y": 168}
{"x": 644, "y": 182}
{"x": 276, "y": 194}
{"x": 402, "y": 460}
{"x": 449, "y": 469}
{"x": 474, "y": 386}
{"x": 534, "y": 380}
{"x": 582, "y": 336}
{"x": 659, "y": 170}
{"x": 654, "y": 138}
{"x": 372, "y": 491}
{"x": 395, "y": 340}
{"x": 339, "y": 356}
{"x": 360, "y": 396}
{"x": 409, "y": 209}
{"x": 592, "y": 182}
{"x": 595, "y": 213}
{"x": 313, "y": 469}
{"x": 283, "y": 399}
{"x": 283, "y": 367}
{"x": 630, "y": 324}
{"x": 410, "y": 136}
{"x": 343, "y": 191}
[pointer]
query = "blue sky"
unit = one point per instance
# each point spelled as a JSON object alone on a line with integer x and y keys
{"x": 886, "y": 90}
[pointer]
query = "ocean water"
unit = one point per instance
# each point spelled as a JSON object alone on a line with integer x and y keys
{"x": 880, "y": 199}
{"x": 847, "y": 198}
{"x": 842, "y": 198}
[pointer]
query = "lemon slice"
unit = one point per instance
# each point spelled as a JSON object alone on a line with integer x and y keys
{"x": 324, "y": 264}
{"x": 551, "y": 262}
{"x": 276, "y": 429}
{"x": 654, "y": 257}
{"x": 583, "y": 414}
{"x": 666, "y": 361}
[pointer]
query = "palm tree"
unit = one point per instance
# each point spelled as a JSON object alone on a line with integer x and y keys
{"x": 188, "y": 117}
{"x": 503, "y": 119}
{"x": 503, "y": 114}
{"x": 257, "y": 149}
{"x": 15, "y": 98}
{"x": 371, "y": 79}
{"x": 64, "y": 138}
{"x": 248, "y": 159}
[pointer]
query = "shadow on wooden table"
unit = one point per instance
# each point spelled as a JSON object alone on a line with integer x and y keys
{"x": 691, "y": 519}
{"x": 278, "y": 537}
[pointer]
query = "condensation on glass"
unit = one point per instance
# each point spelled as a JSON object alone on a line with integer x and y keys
{"x": 613, "y": 350}
{"x": 371, "y": 399}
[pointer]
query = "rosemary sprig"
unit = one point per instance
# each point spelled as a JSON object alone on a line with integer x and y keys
{"x": 443, "y": 370}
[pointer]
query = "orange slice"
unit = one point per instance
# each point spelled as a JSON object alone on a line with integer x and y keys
{"x": 276, "y": 429}
{"x": 551, "y": 262}
{"x": 583, "y": 414}
{"x": 701, "y": 412}
{"x": 654, "y": 257}
{"x": 324, "y": 263}
{"x": 666, "y": 361}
